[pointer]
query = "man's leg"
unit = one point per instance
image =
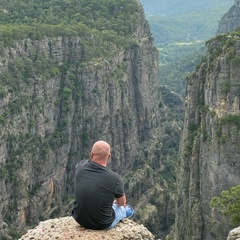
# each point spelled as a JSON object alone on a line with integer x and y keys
{"x": 120, "y": 213}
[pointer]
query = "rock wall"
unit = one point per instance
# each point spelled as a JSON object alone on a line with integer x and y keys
{"x": 53, "y": 122}
{"x": 209, "y": 148}
{"x": 231, "y": 20}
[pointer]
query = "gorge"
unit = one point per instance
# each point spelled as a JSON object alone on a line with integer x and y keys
{"x": 59, "y": 94}
{"x": 64, "y": 86}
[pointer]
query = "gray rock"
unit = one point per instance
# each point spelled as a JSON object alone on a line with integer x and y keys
{"x": 234, "y": 234}
{"x": 209, "y": 147}
{"x": 67, "y": 228}
{"x": 231, "y": 20}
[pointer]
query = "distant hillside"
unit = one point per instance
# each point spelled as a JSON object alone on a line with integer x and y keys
{"x": 180, "y": 29}
{"x": 174, "y": 7}
{"x": 177, "y": 20}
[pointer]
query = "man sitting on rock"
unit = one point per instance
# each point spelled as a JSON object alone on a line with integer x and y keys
{"x": 100, "y": 201}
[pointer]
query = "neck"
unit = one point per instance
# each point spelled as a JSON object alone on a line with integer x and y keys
{"x": 103, "y": 164}
{"x": 100, "y": 162}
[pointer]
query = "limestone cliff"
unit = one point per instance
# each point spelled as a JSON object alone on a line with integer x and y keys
{"x": 231, "y": 20}
{"x": 209, "y": 149}
{"x": 67, "y": 228}
{"x": 57, "y": 98}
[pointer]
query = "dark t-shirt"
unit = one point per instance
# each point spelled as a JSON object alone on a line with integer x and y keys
{"x": 96, "y": 187}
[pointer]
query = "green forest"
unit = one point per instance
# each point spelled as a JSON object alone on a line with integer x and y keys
{"x": 175, "y": 7}
{"x": 180, "y": 30}
{"x": 110, "y": 20}
{"x": 177, "y": 60}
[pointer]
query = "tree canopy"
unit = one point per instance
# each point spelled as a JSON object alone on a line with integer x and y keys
{"x": 34, "y": 18}
{"x": 229, "y": 204}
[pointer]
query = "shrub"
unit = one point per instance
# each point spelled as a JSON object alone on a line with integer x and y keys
{"x": 226, "y": 87}
{"x": 229, "y": 204}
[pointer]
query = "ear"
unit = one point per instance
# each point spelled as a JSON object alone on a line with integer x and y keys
{"x": 91, "y": 155}
{"x": 109, "y": 155}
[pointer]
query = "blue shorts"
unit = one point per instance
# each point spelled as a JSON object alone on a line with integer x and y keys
{"x": 120, "y": 213}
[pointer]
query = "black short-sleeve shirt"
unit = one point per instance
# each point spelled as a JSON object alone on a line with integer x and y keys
{"x": 96, "y": 187}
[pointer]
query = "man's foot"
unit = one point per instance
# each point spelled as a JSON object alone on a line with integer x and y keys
{"x": 129, "y": 211}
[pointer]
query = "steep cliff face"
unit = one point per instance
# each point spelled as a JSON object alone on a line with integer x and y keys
{"x": 55, "y": 103}
{"x": 231, "y": 20}
{"x": 209, "y": 149}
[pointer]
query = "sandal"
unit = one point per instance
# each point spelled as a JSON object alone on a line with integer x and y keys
{"x": 129, "y": 211}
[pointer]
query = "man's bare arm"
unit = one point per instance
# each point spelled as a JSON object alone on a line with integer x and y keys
{"x": 121, "y": 201}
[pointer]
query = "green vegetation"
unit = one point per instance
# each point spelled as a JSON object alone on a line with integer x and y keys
{"x": 229, "y": 204}
{"x": 227, "y": 41}
{"x": 176, "y": 7}
{"x": 231, "y": 119}
{"x": 215, "y": 46}
{"x": 190, "y": 26}
{"x": 116, "y": 15}
{"x": 180, "y": 34}
{"x": 226, "y": 87}
{"x": 98, "y": 20}
{"x": 177, "y": 61}
{"x": 10, "y": 213}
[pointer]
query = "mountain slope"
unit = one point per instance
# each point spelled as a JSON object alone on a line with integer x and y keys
{"x": 176, "y": 7}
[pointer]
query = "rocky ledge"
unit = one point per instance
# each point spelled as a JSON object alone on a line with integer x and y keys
{"x": 234, "y": 234}
{"x": 66, "y": 228}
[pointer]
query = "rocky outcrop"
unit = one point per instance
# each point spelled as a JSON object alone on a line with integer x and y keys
{"x": 231, "y": 20}
{"x": 234, "y": 234}
{"x": 67, "y": 228}
{"x": 209, "y": 147}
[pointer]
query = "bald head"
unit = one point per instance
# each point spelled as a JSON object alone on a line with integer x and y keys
{"x": 100, "y": 152}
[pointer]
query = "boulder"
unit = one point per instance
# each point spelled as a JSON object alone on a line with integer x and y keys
{"x": 234, "y": 234}
{"x": 67, "y": 228}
